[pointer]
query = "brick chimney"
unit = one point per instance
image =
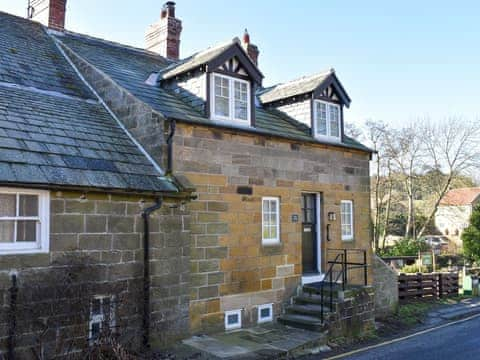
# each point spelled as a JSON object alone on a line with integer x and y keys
{"x": 163, "y": 37}
{"x": 48, "y": 12}
{"x": 252, "y": 50}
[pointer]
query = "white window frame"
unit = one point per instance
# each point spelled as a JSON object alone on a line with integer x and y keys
{"x": 275, "y": 240}
{"x": 265, "y": 319}
{"x": 237, "y": 325}
{"x": 328, "y": 136}
{"x": 352, "y": 226}
{"x": 42, "y": 243}
{"x": 100, "y": 318}
{"x": 231, "y": 100}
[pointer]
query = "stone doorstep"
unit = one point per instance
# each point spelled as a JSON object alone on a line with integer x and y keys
{"x": 255, "y": 343}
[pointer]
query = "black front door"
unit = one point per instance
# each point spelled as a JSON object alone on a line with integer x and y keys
{"x": 309, "y": 234}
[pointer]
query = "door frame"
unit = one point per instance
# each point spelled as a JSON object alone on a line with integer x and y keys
{"x": 318, "y": 211}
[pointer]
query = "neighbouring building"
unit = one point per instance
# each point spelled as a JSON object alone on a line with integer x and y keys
{"x": 453, "y": 213}
{"x": 112, "y": 157}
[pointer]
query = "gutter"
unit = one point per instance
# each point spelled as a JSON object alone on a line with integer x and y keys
{"x": 146, "y": 270}
{"x": 257, "y": 131}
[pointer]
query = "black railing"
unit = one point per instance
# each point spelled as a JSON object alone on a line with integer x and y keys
{"x": 347, "y": 265}
{"x": 329, "y": 275}
{"x": 341, "y": 261}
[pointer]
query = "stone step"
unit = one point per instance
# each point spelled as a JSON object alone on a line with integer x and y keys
{"x": 315, "y": 288}
{"x": 306, "y": 298}
{"x": 314, "y": 310}
{"x": 302, "y": 321}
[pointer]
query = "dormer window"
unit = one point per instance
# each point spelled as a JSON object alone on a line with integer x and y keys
{"x": 230, "y": 99}
{"x": 327, "y": 122}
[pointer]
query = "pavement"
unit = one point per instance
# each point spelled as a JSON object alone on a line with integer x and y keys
{"x": 450, "y": 332}
{"x": 267, "y": 341}
{"x": 459, "y": 340}
{"x": 451, "y": 312}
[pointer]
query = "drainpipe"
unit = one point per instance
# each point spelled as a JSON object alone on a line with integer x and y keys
{"x": 146, "y": 270}
{"x": 170, "y": 147}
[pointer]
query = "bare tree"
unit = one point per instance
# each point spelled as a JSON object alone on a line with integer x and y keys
{"x": 404, "y": 148}
{"x": 376, "y": 134}
{"x": 451, "y": 148}
{"x": 388, "y": 201}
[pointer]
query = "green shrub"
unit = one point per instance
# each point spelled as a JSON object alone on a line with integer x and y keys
{"x": 471, "y": 237}
{"x": 413, "y": 269}
{"x": 405, "y": 247}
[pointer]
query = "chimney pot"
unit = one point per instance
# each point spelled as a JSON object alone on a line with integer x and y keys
{"x": 252, "y": 50}
{"x": 163, "y": 37}
{"x": 170, "y": 7}
{"x": 246, "y": 37}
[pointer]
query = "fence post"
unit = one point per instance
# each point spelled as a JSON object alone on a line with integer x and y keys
{"x": 12, "y": 319}
{"x": 440, "y": 285}
{"x": 401, "y": 286}
{"x": 419, "y": 285}
{"x": 365, "y": 269}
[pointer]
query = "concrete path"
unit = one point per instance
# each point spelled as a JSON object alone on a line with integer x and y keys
{"x": 269, "y": 341}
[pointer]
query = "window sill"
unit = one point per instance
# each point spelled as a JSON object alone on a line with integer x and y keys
{"x": 238, "y": 123}
{"x": 23, "y": 251}
{"x": 330, "y": 139}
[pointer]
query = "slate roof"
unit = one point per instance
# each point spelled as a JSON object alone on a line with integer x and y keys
{"x": 130, "y": 68}
{"x": 460, "y": 197}
{"x": 195, "y": 60}
{"x": 53, "y": 131}
{"x": 296, "y": 87}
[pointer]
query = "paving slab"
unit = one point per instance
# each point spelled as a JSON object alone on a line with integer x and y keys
{"x": 260, "y": 342}
{"x": 464, "y": 308}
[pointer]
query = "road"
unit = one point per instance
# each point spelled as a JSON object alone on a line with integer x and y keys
{"x": 458, "y": 341}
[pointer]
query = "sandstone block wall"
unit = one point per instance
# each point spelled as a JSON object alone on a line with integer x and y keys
{"x": 231, "y": 269}
{"x": 354, "y": 315}
{"x": 96, "y": 248}
{"x": 386, "y": 288}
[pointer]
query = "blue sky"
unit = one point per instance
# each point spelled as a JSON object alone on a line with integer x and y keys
{"x": 398, "y": 60}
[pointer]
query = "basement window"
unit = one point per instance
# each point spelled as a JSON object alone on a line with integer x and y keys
{"x": 233, "y": 319}
{"x": 24, "y": 221}
{"x": 265, "y": 313}
{"x": 230, "y": 99}
{"x": 327, "y": 122}
{"x": 101, "y": 317}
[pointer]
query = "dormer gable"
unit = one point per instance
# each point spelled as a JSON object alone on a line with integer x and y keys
{"x": 317, "y": 101}
{"x": 220, "y": 82}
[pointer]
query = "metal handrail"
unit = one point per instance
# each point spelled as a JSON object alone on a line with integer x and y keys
{"x": 340, "y": 259}
{"x": 352, "y": 265}
{"x": 329, "y": 274}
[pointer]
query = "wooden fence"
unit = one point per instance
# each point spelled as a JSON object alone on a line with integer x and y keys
{"x": 427, "y": 286}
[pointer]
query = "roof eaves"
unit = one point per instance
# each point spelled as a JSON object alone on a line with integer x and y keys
{"x": 251, "y": 130}
{"x": 215, "y": 52}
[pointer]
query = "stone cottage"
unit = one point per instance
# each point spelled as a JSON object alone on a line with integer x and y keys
{"x": 236, "y": 194}
{"x": 454, "y": 212}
